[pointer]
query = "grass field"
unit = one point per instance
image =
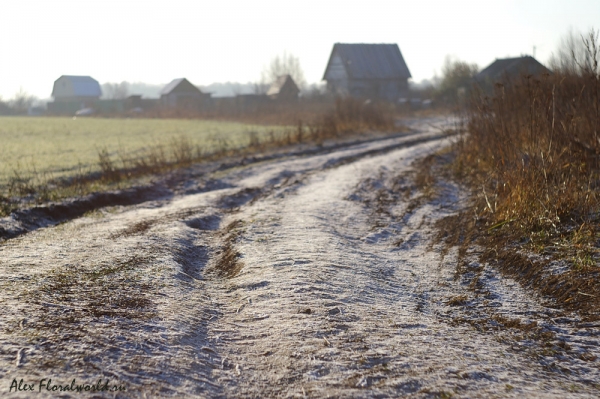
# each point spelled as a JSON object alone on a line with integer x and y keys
{"x": 51, "y": 159}
{"x": 62, "y": 147}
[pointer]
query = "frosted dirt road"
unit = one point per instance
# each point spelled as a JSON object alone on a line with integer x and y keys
{"x": 305, "y": 276}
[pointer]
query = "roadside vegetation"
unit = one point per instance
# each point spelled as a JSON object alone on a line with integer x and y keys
{"x": 49, "y": 159}
{"x": 530, "y": 153}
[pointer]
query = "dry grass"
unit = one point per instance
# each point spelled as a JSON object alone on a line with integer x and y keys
{"x": 532, "y": 160}
{"x": 533, "y": 148}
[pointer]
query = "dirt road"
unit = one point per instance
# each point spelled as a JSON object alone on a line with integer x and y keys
{"x": 312, "y": 275}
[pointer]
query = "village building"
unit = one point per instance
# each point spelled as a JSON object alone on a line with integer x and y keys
{"x": 374, "y": 71}
{"x": 283, "y": 89}
{"x": 510, "y": 68}
{"x": 180, "y": 93}
{"x": 72, "y": 93}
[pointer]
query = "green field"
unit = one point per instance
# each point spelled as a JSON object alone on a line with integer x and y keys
{"x": 62, "y": 147}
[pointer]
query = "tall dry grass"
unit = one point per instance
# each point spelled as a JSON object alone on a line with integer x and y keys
{"x": 530, "y": 154}
{"x": 533, "y": 148}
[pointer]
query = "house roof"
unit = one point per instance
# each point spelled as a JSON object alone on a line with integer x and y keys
{"x": 83, "y": 86}
{"x": 512, "y": 67}
{"x": 371, "y": 61}
{"x": 279, "y": 83}
{"x": 175, "y": 83}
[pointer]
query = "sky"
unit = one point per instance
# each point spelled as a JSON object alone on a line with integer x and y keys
{"x": 211, "y": 41}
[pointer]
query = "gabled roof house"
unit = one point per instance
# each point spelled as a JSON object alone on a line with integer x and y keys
{"x": 181, "y": 93}
{"x": 504, "y": 68}
{"x": 375, "y": 71}
{"x": 283, "y": 89}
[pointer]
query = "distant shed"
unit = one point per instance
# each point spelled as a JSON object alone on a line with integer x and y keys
{"x": 367, "y": 70}
{"x": 180, "y": 93}
{"x": 511, "y": 68}
{"x": 284, "y": 89}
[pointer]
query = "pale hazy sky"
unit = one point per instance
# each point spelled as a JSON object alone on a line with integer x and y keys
{"x": 156, "y": 41}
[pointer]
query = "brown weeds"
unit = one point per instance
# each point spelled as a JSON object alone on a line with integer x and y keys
{"x": 531, "y": 156}
{"x": 533, "y": 148}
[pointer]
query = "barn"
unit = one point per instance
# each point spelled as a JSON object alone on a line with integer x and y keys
{"x": 72, "y": 93}
{"x": 375, "y": 71}
{"x": 284, "y": 89}
{"x": 180, "y": 93}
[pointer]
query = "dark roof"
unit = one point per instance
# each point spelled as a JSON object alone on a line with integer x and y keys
{"x": 83, "y": 86}
{"x": 374, "y": 61}
{"x": 175, "y": 83}
{"x": 281, "y": 81}
{"x": 512, "y": 67}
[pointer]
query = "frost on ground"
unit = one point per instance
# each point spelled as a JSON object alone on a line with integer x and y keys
{"x": 307, "y": 276}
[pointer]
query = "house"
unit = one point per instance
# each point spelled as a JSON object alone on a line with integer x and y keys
{"x": 375, "y": 71}
{"x": 180, "y": 93}
{"x": 76, "y": 88}
{"x": 504, "y": 68}
{"x": 72, "y": 93}
{"x": 284, "y": 89}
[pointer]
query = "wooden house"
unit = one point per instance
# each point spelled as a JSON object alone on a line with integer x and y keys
{"x": 180, "y": 93}
{"x": 283, "y": 89}
{"x": 510, "y": 68}
{"x": 375, "y": 71}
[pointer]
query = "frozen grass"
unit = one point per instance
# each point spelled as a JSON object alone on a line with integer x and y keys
{"x": 62, "y": 147}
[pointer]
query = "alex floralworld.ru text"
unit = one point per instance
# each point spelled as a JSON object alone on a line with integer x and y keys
{"x": 46, "y": 384}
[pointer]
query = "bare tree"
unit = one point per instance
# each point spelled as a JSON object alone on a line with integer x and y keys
{"x": 576, "y": 53}
{"x": 457, "y": 75}
{"x": 21, "y": 102}
{"x": 286, "y": 64}
{"x": 115, "y": 91}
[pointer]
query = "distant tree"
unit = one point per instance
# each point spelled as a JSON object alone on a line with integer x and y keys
{"x": 576, "y": 53}
{"x": 115, "y": 91}
{"x": 456, "y": 76}
{"x": 21, "y": 102}
{"x": 287, "y": 64}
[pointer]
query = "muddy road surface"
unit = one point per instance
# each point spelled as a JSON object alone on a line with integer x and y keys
{"x": 313, "y": 275}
